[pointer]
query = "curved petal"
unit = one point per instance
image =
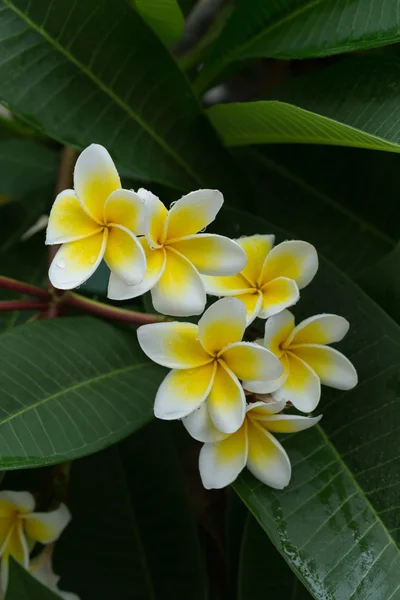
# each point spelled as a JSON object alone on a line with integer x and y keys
{"x": 68, "y": 220}
{"x": 277, "y": 329}
{"x": 182, "y": 391}
{"x": 295, "y": 260}
{"x": 331, "y": 366}
{"x": 180, "y": 291}
{"x": 223, "y": 323}
{"x": 118, "y": 289}
{"x": 232, "y": 285}
{"x": 278, "y": 294}
{"x": 288, "y": 423}
{"x": 76, "y": 261}
{"x": 47, "y": 527}
{"x": 11, "y": 501}
{"x": 211, "y": 254}
{"x": 251, "y": 362}
{"x": 173, "y": 345}
{"x": 201, "y": 427}
{"x": 319, "y": 329}
{"x": 156, "y": 214}
{"x": 256, "y": 248}
{"x": 126, "y": 208}
{"x": 15, "y": 546}
{"x": 302, "y": 387}
{"x": 226, "y": 401}
{"x": 192, "y": 213}
{"x": 264, "y": 407}
{"x": 222, "y": 462}
{"x": 253, "y": 304}
{"x": 267, "y": 460}
{"x": 124, "y": 255}
{"x": 267, "y": 387}
{"x": 95, "y": 178}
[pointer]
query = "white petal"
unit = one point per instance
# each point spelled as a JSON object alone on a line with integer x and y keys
{"x": 265, "y": 406}
{"x": 118, "y": 289}
{"x": 220, "y": 463}
{"x": 319, "y": 329}
{"x": 267, "y": 460}
{"x": 11, "y": 501}
{"x": 156, "y": 216}
{"x": 201, "y": 427}
{"x": 182, "y": 391}
{"x": 294, "y": 259}
{"x": 126, "y": 208}
{"x": 278, "y": 294}
{"x": 173, "y": 345}
{"x": 212, "y": 254}
{"x": 302, "y": 387}
{"x": 256, "y": 248}
{"x": 226, "y": 401}
{"x": 261, "y": 386}
{"x": 251, "y": 362}
{"x": 193, "y": 212}
{"x": 223, "y": 323}
{"x": 288, "y": 423}
{"x": 47, "y": 527}
{"x": 124, "y": 255}
{"x": 331, "y": 366}
{"x": 277, "y": 329}
{"x": 68, "y": 220}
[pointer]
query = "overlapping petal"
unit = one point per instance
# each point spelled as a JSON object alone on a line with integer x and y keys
{"x": 192, "y": 213}
{"x": 256, "y": 248}
{"x": 294, "y": 259}
{"x": 277, "y": 330}
{"x": 222, "y": 324}
{"x": 126, "y": 208}
{"x": 319, "y": 329}
{"x": 156, "y": 215}
{"x": 331, "y": 366}
{"x": 267, "y": 460}
{"x": 47, "y": 527}
{"x": 226, "y": 401}
{"x": 76, "y": 261}
{"x": 302, "y": 386}
{"x": 125, "y": 255}
{"x": 278, "y": 294}
{"x": 288, "y": 423}
{"x": 182, "y": 391}
{"x": 118, "y": 289}
{"x": 220, "y": 463}
{"x": 68, "y": 220}
{"x": 180, "y": 291}
{"x": 227, "y": 286}
{"x": 265, "y": 407}
{"x": 211, "y": 254}
{"x": 268, "y": 386}
{"x": 200, "y": 426}
{"x": 253, "y": 302}
{"x": 173, "y": 345}
{"x": 251, "y": 361}
{"x": 10, "y": 501}
{"x": 95, "y": 178}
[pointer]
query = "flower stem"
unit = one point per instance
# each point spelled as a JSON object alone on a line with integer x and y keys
{"x": 22, "y": 305}
{"x": 7, "y": 283}
{"x": 109, "y": 312}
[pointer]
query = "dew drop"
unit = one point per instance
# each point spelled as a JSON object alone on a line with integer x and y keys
{"x": 61, "y": 263}
{"x": 203, "y": 230}
{"x": 173, "y": 203}
{"x": 92, "y": 260}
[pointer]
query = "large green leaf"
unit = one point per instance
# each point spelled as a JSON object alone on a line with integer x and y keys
{"x": 22, "y": 586}
{"x": 165, "y": 17}
{"x": 302, "y": 28}
{"x": 70, "y": 387}
{"x": 263, "y": 572}
{"x": 94, "y": 71}
{"x": 338, "y": 522}
{"x": 132, "y": 534}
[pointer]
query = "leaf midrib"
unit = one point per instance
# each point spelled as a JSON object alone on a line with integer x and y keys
{"x": 105, "y": 89}
{"x": 70, "y": 389}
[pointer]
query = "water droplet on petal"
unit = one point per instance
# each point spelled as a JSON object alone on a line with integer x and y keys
{"x": 172, "y": 203}
{"x": 203, "y": 230}
{"x": 60, "y": 263}
{"x": 92, "y": 260}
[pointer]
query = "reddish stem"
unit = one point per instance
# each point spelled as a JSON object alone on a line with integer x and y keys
{"x": 22, "y": 305}
{"x": 109, "y": 312}
{"x": 24, "y": 288}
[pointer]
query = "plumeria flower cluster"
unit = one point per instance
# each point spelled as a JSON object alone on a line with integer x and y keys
{"x": 230, "y": 389}
{"x": 21, "y": 528}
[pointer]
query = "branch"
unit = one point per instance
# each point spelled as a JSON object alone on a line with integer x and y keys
{"x": 8, "y": 305}
{"x": 7, "y": 283}
{"x": 109, "y": 312}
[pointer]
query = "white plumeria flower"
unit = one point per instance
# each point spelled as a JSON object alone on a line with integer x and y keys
{"x": 223, "y": 457}
{"x": 21, "y": 528}
{"x": 306, "y": 359}
{"x": 176, "y": 253}
{"x": 98, "y": 220}
{"x": 41, "y": 568}
{"x": 208, "y": 360}
{"x": 272, "y": 277}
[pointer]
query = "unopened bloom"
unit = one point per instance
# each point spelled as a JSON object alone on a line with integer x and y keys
{"x": 306, "y": 359}
{"x": 176, "y": 254}
{"x": 21, "y": 528}
{"x": 223, "y": 457}
{"x": 208, "y": 360}
{"x": 98, "y": 220}
{"x": 272, "y": 277}
{"x": 41, "y": 568}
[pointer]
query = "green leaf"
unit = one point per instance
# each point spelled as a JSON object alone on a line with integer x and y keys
{"x": 301, "y": 29}
{"x": 70, "y": 387}
{"x": 133, "y": 535}
{"x": 165, "y": 17}
{"x": 263, "y": 572}
{"x": 338, "y": 522}
{"x": 94, "y": 71}
{"x": 22, "y": 586}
